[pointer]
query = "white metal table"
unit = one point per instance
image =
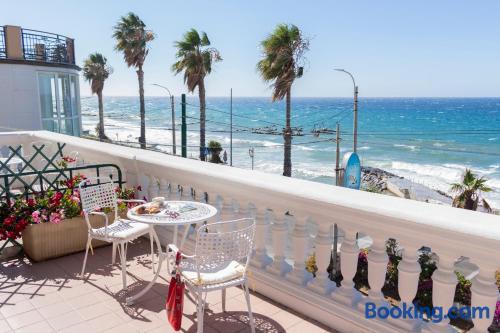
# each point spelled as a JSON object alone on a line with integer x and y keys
{"x": 188, "y": 212}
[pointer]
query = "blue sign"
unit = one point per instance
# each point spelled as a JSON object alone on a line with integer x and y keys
{"x": 352, "y": 170}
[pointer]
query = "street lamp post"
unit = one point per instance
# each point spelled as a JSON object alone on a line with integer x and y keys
{"x": 173, "y": 116}
{"x": 355, "y": 131}
{"x": 251, "y": 153}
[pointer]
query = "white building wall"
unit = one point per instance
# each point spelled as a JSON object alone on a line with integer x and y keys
{"x": 19, "y": 95}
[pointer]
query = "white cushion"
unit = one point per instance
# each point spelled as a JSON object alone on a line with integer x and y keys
{"x": 122, "y": 229}
{"x": 232, "y": 271}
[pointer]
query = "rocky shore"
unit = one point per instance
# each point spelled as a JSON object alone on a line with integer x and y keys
{"x": 381, "y": 181}
{"x": 374, "y": 179}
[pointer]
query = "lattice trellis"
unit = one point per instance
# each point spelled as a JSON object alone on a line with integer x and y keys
{"x": 40, "y": 172}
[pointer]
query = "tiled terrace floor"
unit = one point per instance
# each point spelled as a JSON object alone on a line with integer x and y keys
{"x": 50, "y": 297}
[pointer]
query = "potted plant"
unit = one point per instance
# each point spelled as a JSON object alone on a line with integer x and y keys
{"x": 214, "y": 149}
{"x": 13, "y": 219}
{"x": 52, "y": 225}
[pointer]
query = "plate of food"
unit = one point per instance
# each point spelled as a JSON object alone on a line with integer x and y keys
{"x": 153, "y": 208}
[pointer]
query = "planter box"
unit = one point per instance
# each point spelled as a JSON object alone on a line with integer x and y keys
{"x": 47, "y": 240}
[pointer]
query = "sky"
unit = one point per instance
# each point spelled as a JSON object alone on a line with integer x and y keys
{"x": 425, "y": 48}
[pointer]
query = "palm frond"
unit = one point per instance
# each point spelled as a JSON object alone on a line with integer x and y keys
{"x": 282, "y": 52}
{"x": 469, "y": 178}
{"x": 132, "y": 39}
{"x": 96, "y": 71}
{"x": 204, "y": 39}
{"x": 457, "y": 187}
{"x": 486, "y": 205}
{"x": 194, "y": 58}
{"x": 480, "y": 185}
{"x": 469, "y": 191}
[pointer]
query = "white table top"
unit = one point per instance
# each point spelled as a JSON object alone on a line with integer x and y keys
{"x": 202, "y": 213}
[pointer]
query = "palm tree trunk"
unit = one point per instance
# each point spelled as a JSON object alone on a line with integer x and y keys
{"x": 142, "y": 137}
{"x": 287, "y": 159}
{"x": 101, "y": 116}
{"x": 470, "y": 203}
{"x": 201, "y": 95}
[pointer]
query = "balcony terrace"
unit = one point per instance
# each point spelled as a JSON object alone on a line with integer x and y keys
{"x": 26, "y": 46}
{"x": 295, "y": 218}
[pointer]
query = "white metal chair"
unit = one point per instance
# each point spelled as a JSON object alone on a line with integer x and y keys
{"x": 99, "y": 193}
{"x": 220, "y": 261}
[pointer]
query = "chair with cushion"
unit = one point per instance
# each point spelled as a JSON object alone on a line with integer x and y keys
{"x": 98, "y": 194}
{"x": 221, "y": 258}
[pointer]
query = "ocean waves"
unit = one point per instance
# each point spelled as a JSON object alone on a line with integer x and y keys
{"x": 428, "y": 141}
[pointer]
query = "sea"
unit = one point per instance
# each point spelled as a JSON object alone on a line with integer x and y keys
{"x": 429, "y": 141}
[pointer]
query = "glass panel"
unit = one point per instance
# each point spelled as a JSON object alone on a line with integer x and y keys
{"x": 67, "y": 126}
{"x": 50, "y": 125}
{"x": 64, "y": 95}
{"x": 76, "y": 126}
{"x": 47, "y": 91}
{"x": 74, "y": 96}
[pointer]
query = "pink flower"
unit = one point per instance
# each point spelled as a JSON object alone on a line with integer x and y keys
{"x": 55, "y": 218}
{"x": 36, "y": 216}
{"x": 75, "y": 199}
{"x": 8, "y": 220}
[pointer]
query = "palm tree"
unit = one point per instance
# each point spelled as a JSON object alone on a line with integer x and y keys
{"x": 96, "y": 71}
{"x": 195, "y": 58}
{"x": 132, "y": 39}
{"x": 283, "y": 53}
{"x": 469, "y": 192}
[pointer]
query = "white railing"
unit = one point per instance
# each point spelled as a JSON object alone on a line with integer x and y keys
{"x": 295, "y": 218}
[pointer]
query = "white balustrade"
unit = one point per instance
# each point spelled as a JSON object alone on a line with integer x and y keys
{"x": 408, "y": 274}
{"x": 143, "y": 182}
{"x": 219, "y": 204}
{"x": 179, "y": 192}
{"x": 300, "y": 238}
{"x": 235, "y": 209}
{"x": 279, "y": 230}
{"x": 191, "y": 195}
{"x": 323, "y": 252}
{"x": 225, "y": 209}
{"x": 154, "y": 188}
{"x": 164, "y": 188}
{"x": 484, "y": 296}
{"x": 260, "y": 258}
{"x": 444, "y": 282}
{"x": 202, "y": 196}
{"x": 349, "y": 254}
{"x": 449, "y": 232}
{"x": 377, "y": 269}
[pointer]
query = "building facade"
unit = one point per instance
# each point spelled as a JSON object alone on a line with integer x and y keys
{"x": 39, "y": 82}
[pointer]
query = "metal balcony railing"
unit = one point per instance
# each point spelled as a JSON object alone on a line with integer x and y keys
{"x": 47, "y": 47}
{"x": 3, "y": 48}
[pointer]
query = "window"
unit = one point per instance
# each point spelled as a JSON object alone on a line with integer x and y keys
{"x": 59, "y": 103}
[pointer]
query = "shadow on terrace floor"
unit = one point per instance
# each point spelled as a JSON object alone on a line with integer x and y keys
{"x": 49, "y": 296}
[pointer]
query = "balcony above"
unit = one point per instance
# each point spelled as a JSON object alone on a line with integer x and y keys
{"x": 32, "y": 47}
